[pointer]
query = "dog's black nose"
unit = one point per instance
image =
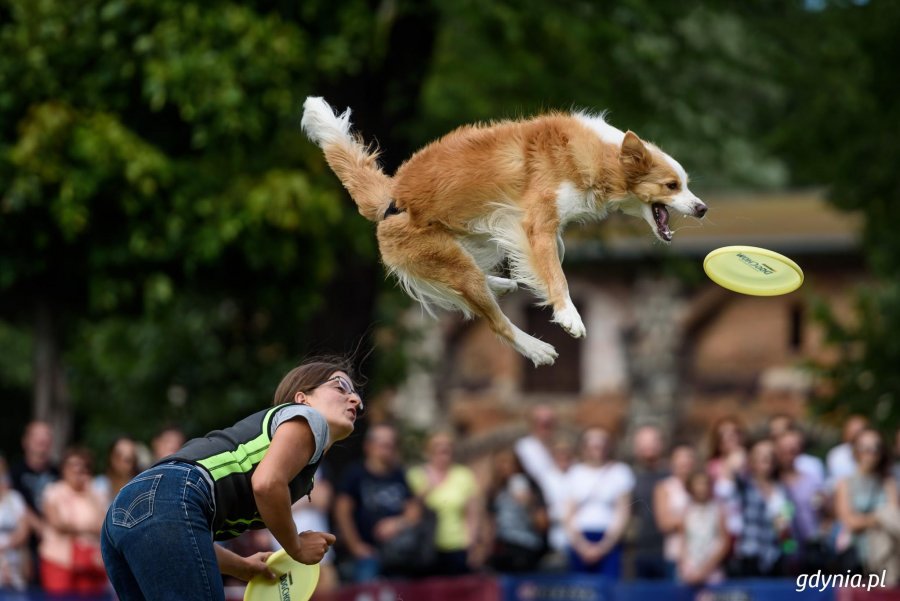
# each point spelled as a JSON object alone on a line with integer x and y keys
{"x": 700, "y": 210}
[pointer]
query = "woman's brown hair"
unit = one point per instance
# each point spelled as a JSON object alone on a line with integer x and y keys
{"x": 309, "y": 375}
{"x": 883, "y": 463}
{"x": 714, "y": 445}
{"x": 78, "y": 452}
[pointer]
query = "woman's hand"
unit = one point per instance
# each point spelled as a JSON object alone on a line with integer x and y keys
{"x": 255, "y": 565}
{"x": 693, "y": 576}
{"x": 735, "y": 462}
{"x": 242, "y": 568}
{"x": 588, "y": 552}
{"x": 871, "y": 520}
{"x": 594, "y": 554}
{"x": 476, "y": 556}
{"x": 312, "y": 546}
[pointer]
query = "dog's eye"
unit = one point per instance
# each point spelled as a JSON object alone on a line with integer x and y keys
{"x": 672, "y": 185}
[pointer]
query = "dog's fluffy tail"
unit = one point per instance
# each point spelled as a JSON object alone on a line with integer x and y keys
{"x": 354, "y": 164}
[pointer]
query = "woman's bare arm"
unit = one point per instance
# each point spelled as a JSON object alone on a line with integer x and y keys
{"x": 242, "y": 568}
{"x": 844, "y": 510}
{"x": 292, "y": 446}
{"x": 721, "y": 552}
{"x": 666, "y": 519}
{"x": 619, "y": 523}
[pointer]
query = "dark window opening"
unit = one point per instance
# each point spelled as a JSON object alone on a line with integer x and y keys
{"x": 795, "y": 340}
{"x": 564, "y": 376}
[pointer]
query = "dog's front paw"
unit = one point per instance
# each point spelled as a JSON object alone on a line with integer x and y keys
{"x": 570, "y": 321}
{"x": 538, "y": 352}
{"x": 501, "y": 286}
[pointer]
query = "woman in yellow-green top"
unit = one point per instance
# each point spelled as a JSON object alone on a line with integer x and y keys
{"x": 450, "y": 490}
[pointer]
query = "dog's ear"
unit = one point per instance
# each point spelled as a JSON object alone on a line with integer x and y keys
{"x": 634, "y": 157}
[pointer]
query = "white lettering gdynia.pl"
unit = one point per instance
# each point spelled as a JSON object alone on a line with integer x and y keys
{"x": 760, "y": 267}
{"x": 819, "y": 581}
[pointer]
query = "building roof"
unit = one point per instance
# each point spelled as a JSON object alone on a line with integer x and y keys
{"x": 793, "y": 222}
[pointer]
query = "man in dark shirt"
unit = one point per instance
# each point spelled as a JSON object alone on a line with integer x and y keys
{"x": 649, "y": 470}
{"x": 30, "y": 477}
{"x": 36, "y": 470}
{"x": 374, "y": 502}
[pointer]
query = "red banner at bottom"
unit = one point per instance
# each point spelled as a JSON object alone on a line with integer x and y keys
{"x": 469, "y": 588}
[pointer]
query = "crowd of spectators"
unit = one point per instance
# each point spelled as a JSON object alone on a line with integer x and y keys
{"x": 555, "y": 501}
{"x": 51, "y": 513}
{"x": 735, "y": 507}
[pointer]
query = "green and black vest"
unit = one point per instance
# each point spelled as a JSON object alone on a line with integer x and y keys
{"x": 231, "y": 456}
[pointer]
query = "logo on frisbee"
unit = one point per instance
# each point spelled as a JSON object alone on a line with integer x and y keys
{"x": 760, "y": 267}
{"x": 285, "y": 587}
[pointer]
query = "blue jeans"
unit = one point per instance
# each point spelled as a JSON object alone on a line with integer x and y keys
{"x": 366, "y": 569}
{"x": 610, "y": 565}
{"x": 157, "y": 538}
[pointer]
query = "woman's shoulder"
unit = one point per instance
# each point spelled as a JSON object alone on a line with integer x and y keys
{"x": 316, "y": 421}
{"x": 417, "y": 479}
{"x": 416, "y": 473}
{"x": 288, "y": 411}
{"x": 54, "y": 490}
{"x": 577, "y": 468}
{"x": 579, "y": 472}
{"x": 671, "y": 485}
{"x": 462, "y": 471}
{"x": 13, "y": 501}
{"x": 622, "y": 470}
{"x": 582, "y": 475}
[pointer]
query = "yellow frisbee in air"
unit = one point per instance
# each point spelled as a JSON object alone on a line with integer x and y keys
{"x": 752, "y": 270}
{"x": 295, "y": 582}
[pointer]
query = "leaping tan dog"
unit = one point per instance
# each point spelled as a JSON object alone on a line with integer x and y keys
{"x": 483, "y": 194}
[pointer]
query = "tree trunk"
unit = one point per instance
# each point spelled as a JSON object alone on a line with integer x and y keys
{"x": 52, "y": 403}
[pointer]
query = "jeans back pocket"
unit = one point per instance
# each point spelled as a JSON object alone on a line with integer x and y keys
{"x": 134, "y": 503}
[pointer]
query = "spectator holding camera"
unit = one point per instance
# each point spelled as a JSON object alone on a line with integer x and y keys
{"x": 764, "y": 511}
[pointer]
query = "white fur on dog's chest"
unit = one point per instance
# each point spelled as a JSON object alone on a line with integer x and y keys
{"x": 572, "y": 203}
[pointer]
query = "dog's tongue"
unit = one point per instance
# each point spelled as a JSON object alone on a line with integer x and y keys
{"x": 661, "y": 216}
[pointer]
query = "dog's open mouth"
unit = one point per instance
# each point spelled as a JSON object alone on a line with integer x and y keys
{"x": 661, "y": 217}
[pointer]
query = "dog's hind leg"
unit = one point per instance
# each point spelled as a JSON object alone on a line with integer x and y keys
{"x": 432, "y": 264}
{"x": 541, "y": 225}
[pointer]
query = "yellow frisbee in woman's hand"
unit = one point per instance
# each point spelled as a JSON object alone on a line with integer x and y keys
{"x": 752, "y": 270}
{"x": 295, "y": 581}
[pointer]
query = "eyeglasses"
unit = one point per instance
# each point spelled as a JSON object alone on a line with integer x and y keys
{"x": 869, "y": 449}
{"x": 344, "y": 385}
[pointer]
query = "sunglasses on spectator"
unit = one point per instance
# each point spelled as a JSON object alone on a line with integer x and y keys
{"x": 869, "y": 448}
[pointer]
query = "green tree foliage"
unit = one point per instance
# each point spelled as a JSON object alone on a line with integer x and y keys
{"x": 865, "y": 378}
{"x": 840, "y": 126}
{"x": 690, "y": 76}
{"x": 158, "y": 199}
